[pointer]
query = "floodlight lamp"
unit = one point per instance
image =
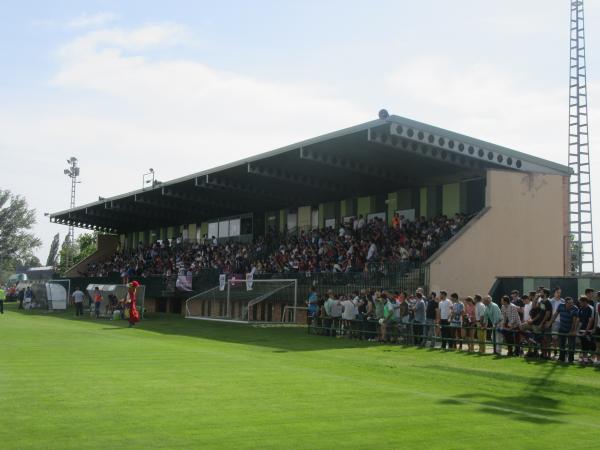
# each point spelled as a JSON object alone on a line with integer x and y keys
{"x": 151, "y": 170}
{"x": 383, "y": 114}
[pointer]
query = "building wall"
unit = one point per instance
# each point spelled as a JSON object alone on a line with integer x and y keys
{"x": 521, "y": 232}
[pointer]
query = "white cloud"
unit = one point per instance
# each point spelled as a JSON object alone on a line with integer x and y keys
{"x": 92, "y": 20}
{"x": 120, "y": 111}
{"x": 493, "y": 104}
{"x": 117, "y": 40}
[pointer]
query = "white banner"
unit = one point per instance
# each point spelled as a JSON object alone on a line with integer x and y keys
{"x": 249, "y": 281}
{"x": 222, "y": 280}
{"x": 184, "y": 283}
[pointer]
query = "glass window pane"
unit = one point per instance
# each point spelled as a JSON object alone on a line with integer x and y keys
{"x": 213, "y": 230}
{"x": 234, "y": 227}
{"x": 224, "y": 229}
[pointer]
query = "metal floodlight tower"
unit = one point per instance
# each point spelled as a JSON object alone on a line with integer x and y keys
{"x": 72, "y": 172}
{"x": 580, "y": 192}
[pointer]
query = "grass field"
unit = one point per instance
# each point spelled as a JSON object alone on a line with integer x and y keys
{"x": 172, "y": 383}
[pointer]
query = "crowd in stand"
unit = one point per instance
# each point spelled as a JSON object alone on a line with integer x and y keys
{"x": 534, "y": 325}
{"x": 349, "y": 248}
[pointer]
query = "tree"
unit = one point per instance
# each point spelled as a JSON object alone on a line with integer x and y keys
{"x": 85, "y": 244}
{"x": 16, "y": 242}
{"x": 53, "y": 253}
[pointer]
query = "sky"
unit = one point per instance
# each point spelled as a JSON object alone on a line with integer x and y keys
{"x": 184, "y": 86}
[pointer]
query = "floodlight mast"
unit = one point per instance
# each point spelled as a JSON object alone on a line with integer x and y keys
{"x": 580, "y": 192}
{"x": 72, "y": 172}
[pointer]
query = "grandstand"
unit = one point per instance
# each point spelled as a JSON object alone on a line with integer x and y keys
{"x": 517, "y": 205}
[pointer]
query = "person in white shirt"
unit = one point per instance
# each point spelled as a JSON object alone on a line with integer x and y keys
{"x": 556, "y": 301}
{"x": 372, "y": 252}
{"x": 348, "y": 316}
{"x": 361, "y": 223}
{"x": 78, "y": 297}
{"x": 527, "y": 305}
{"x": 445, "y": 310}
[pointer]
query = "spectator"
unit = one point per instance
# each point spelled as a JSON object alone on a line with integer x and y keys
{"x": 348, "y": 316}
{"x": 567, "y": 330}
{"x": 431, "y": 317}
{"x": 586, "y": 328}
{"x": 493, "y": 320}
{"x": 313, "y": 306}
{"x": 556, "y": 301}
{"x": 546, "y": 327}
{"x": 597, "y": 332}
{"x": 387, "y": 321}
{"x": 97, "y": 301}
{"x": 469, "y": 323}
{"x": 456, "y": 321}
{"x": 78, "y": 297}
{"x": 28, "y": 298}
{"x": 336, "y": 315}
{"x": 511, "y": 323}
{"x": 328, "y": 321}
{"x": 419, "y": 319}
{"x": 351, "y": 249}
{"x": 21, "y": 298}
{"x": 445, "y": 311}
{"x": 516, "y": 300}
{"x": 480, "y": 322}
{"x": 527, "y": 305}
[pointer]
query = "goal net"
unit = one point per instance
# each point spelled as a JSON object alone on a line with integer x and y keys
{"x": 266, "y": 301}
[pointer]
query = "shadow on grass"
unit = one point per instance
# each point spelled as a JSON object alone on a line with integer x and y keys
{"x": 532, "y": 405}
{"x": 282, "y": 338}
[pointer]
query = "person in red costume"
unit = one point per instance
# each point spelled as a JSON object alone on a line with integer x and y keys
{"x": 134, "y": 315}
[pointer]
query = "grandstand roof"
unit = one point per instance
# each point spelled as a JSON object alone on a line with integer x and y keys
{"x": 379, "y": 156}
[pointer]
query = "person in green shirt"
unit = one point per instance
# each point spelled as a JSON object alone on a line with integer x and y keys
{"x": 2, "y": 298}
{"x": 388, "y": 316}
{"x": 379, "y": 304}
{"x": 493, "y": 319}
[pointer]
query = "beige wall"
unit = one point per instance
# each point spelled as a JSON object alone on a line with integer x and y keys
{"x": 522, "y": 232}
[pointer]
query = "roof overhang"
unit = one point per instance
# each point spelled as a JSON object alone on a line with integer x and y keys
{"x": 375, "y": 157}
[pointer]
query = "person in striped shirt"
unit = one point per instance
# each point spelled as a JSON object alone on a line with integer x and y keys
{"x": 511, "y": 322}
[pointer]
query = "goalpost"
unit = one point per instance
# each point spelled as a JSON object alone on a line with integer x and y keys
{"x": 260, "y": 301}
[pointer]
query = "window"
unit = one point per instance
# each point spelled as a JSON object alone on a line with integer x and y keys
{"x": 213, "y": 230}
{"x": 224, "y": 229}
{"x": 234, "y": 227}
{"x": 292, "y": 220}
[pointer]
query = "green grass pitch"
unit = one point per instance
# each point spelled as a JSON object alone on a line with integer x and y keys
{"x": 173, "y": 383}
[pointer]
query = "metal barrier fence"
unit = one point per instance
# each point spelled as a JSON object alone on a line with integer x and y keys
{"x": 392, "y": 276}
{"x": 516, "y": 342}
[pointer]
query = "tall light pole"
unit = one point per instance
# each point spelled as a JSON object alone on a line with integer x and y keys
{"x": 72, "y": 172}
{"x": 580, "y": 192}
